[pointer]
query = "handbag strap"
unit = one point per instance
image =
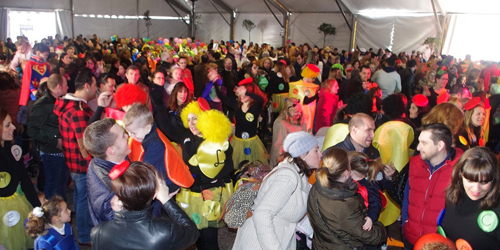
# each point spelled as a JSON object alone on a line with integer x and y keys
{"x": 331, "y": 231}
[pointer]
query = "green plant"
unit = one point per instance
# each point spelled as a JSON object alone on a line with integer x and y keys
{"x": 432, "y": 43}
{"x": 249, "y": 25}
{"x": 326, "y": 29}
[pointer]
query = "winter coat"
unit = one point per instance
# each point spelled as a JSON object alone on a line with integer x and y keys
{"x": 337, "y": 215}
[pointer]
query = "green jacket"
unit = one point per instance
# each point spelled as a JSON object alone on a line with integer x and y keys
{"x": 337, "y": 215}
{"x": 43, "y": 124}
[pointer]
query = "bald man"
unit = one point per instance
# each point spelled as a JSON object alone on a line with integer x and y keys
{"x": 361, "y": 133}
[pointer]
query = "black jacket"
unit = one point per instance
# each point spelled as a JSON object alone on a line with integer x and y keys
{"x": 43, "y": 125}
{"x": 371, "y": 151}
{"x": 138, "y": 230}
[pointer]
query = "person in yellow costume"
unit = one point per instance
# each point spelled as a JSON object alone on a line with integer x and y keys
{"x": 208, "y": 154}
{"x": 306, "y": 88}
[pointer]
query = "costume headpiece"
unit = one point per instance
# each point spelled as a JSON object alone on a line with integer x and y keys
{"x": 310, "y": 71}
{"x": 129, "y": 94}
{"x": 420, "y": 100}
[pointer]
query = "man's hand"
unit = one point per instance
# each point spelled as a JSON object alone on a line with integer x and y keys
{"x": 389, "y": 170}
{"x": 105, "y": 99}
{"x": 59, "y": 144}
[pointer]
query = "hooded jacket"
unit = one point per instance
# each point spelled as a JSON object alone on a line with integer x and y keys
{"x": 337, "y": 215}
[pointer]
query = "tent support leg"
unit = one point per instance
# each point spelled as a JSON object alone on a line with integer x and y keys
{"x": 343, "y": 14}
{"x": 352, "y": 42}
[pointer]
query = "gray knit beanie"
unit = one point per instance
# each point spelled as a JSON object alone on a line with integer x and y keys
{"x": 299, "y": 143}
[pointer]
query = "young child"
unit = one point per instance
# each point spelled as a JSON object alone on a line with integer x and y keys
{"x": 36, "y": 69}
{"x": 364, "y": 171}
{"x": 49, "y": 225}
{"x": 155, "y": 148}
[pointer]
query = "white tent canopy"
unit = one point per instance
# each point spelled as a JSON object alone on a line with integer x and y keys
{"x": 395, "y": 24}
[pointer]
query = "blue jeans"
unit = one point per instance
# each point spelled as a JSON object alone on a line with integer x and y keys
{"x": 56, "y": 174}
{"x": 83, "y": 221}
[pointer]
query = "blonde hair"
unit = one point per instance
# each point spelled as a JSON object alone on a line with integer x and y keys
{"x": 467, "y": 124}
{"x": 139, "y": 113}
{"x": 335, "y": 163}
{"x": 446, "y": 113}
{"x": 360, "y": 163}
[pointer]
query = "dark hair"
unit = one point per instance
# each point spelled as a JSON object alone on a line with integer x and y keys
{"x": 98, "y": 137}
{"x": 303, "y": 167}
{"x": 439, "y": 132}
{"x": 393, "y": 106}
{"x": 7, "y": 82}
{"x": 84, "y": 76}
{"x": 335, "y": 163}
{"x": 172, "y": 101}
{"x": 40, "y": 47}
{"x": 477, "y": 164}
{"x": 3, "y": 115}
{"x": 137, "y": 186}
{"x": 36, "y": 225}
{"x": 204, "y": 58}
{"x": 133, "y": 67}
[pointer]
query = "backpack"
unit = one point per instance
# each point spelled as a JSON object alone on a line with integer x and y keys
{"x": 238, "y": 208}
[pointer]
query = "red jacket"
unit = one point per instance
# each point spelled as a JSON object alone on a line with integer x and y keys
{"x": 427, "y": 195}
{"x": 326, "y": 109}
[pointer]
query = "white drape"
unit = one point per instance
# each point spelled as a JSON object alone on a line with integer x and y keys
{"x": 3, "y": 20}
{"x": 63, "y": 23}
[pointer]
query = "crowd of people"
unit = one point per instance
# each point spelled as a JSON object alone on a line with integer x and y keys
{"x": 151, "y": 134}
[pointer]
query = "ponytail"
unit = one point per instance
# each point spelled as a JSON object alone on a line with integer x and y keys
{"x": 40, "y": 216}
{"x": 335, "y": 163}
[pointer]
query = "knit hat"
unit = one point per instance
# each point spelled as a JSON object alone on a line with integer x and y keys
{"x": 311, "y": 71}
{"x": 299, "y": 143}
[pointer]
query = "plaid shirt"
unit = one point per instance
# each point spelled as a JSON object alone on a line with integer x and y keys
{"x": 73, "y": 117}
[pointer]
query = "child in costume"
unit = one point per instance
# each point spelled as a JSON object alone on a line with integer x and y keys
{"x": 49, "y": 224}
{"x": 246, "y": 143}
{"x": 156, "y": 149}
{"x": 36, "y": 69}
{"x": 208, "y": 154}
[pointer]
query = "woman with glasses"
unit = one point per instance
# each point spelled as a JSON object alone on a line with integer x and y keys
{"x": 289, "y": 121}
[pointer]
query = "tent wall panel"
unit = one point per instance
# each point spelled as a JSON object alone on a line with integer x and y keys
{"x": 157, "y": 8}
{"x": 267, "y": 29}
{"x": 105, "y": 27}
{"x": 410, "y": 32}
{"x": 214, "y": 27}
{"x": 374, "y": 32}
{"x": 63, "y": 23}
{"x": 163, "y": 28}
{"x": 106, "y": 7}
{"x": 36, "y": 4}
{"x": 304, "y": 29}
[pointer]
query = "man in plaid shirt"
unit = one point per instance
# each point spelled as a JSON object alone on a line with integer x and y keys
{"x": 74, "y": 113}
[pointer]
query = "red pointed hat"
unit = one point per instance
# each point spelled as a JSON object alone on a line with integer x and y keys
{"x": 245, "y": 81}
{"x": 420, "y": 100}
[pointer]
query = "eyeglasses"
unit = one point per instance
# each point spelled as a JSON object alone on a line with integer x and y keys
{"x": 160, "y": 78}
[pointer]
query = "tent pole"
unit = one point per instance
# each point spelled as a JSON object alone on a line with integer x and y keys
{"x": 286, "y": 23}
{"x": 437, "y": 18}
{"x": 447, "y": 19}
{"x": 72, "y": 18}
{"x": 352, "y": 42}
{"x": 343, "y": 14}
{"x": 138, "y": 34}
{"x": 231, "y": 31}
